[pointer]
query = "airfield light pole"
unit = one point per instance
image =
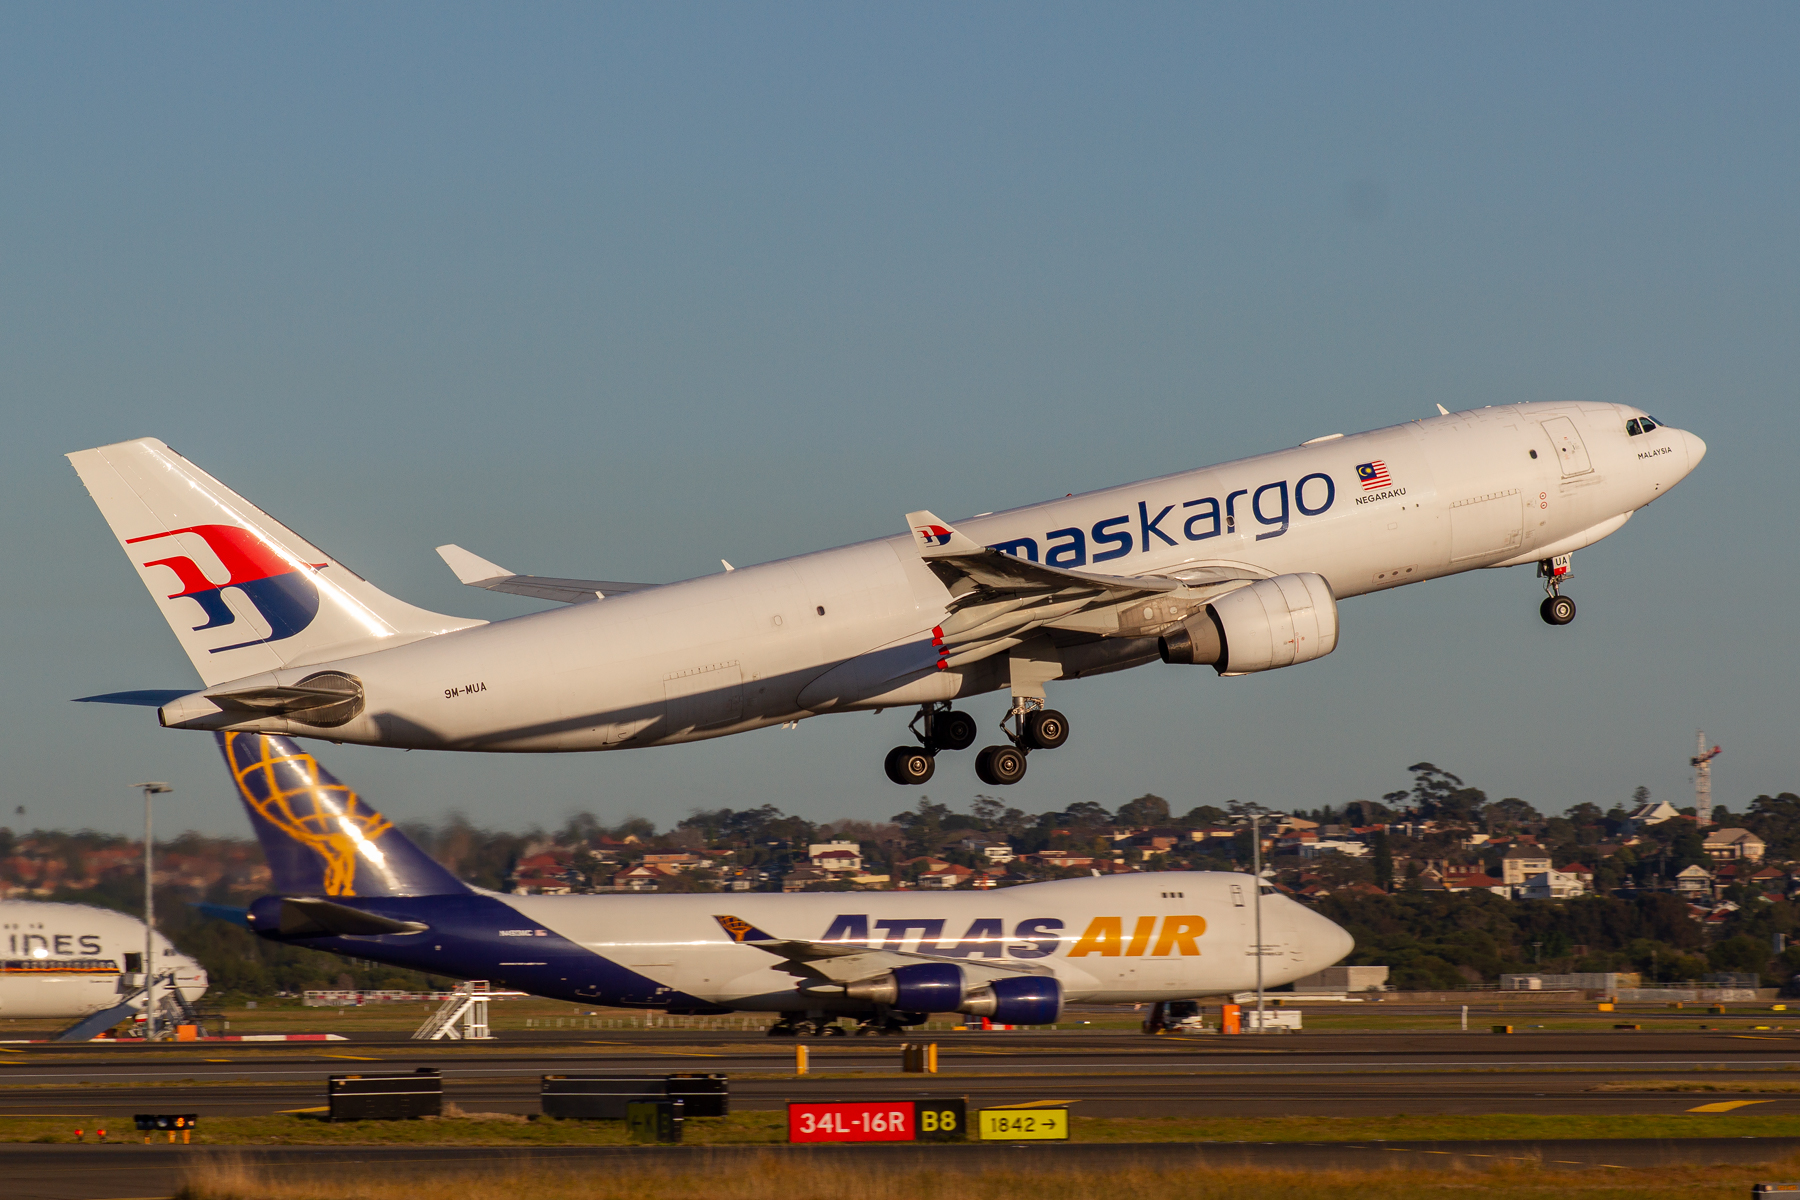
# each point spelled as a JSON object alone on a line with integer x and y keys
{"x": 1256, "y": 860}
{"x": 150, "y": 789}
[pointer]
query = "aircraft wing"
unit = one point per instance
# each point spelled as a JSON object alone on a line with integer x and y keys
{"x": 997, "y": 600}
{"x": 476, "y": 571}
{"x": 837, "y": 962}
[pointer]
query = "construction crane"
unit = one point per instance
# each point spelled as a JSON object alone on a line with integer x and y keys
{"x": 1702, "y": 764}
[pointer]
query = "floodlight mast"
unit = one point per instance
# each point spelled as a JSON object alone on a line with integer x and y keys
{"x": 1256, "y": 860}
{"x": 149, "y": 789}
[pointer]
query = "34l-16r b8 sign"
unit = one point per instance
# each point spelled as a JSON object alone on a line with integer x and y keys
{"x": 887, "y": 1121}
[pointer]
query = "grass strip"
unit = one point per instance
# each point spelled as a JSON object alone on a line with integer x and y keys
{"x": 769, "y": 1180}
{"x": 769, "y": 1128}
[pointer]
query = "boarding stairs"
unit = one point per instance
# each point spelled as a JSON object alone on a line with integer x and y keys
{"x": 172, "y": 1009}
{"x": 468, "y": 1004}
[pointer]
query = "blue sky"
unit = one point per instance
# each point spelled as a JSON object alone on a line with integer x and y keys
{"x": 619, "y": 291}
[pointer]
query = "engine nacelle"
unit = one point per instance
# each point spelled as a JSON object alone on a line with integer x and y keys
{"x": 921, "y": 987}
{"x": 1020, "y": 1000}
{"x": 1270, "y": 623}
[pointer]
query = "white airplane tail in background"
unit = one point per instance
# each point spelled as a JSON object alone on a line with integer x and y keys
{"x": 243, "y": 593}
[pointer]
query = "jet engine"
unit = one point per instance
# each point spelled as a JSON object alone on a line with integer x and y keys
{"x": 922, "y": 987}
{"x": 1019, "y": 1000}
{"x": 1270, "y": 623}
{"x": 941, "y": 987}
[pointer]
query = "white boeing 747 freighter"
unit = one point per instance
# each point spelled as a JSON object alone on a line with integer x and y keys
{"x": 1240, "y": 567}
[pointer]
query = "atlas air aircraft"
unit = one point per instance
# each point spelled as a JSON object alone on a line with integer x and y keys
{"x": 352, "y": 883}
{"x": 62, "y": 961}
{"x": 1240, "y": 567}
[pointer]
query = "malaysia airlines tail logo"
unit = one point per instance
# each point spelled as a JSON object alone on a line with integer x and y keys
{"x": 281, "y": 591}
{"x": 934, "y": 535}
{"x": 1373, "y": 475}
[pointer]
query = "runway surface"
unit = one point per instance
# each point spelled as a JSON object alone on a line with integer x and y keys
{"x": 1108, "y": 1076}
{"x": 1100, "y": 1075}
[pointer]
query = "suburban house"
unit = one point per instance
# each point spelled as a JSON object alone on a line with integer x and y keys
{"x": 1726, "y": 845}
{"x": 839, "y": 858}
{"x": 1522, "y": 862}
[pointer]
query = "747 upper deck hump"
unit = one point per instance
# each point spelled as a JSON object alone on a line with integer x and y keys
{"x": 1239, "y": 566}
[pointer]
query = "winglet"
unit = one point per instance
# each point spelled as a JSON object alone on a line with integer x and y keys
{"x": 741, "y": 930}
{"x": 937, "y": 538}
{"x": 470, "y": 568}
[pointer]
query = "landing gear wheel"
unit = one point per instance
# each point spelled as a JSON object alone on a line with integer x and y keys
{"x": 1557, "y": 610}
{"x": 784, "y": 1028}
{"x": 833, "y": 1030}
{"x": 1000, "y": 766}
{"x": 909, "y": 765}
{"x": 1046, "y": 729}
{"x": 953, "y": 730}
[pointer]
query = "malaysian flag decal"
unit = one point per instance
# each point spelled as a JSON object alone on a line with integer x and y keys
{"x": 1373, "y": 475}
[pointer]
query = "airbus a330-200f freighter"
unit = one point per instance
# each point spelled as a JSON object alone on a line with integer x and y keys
{"x": 349, "y": 881}
{"x": 1240, "y": 567}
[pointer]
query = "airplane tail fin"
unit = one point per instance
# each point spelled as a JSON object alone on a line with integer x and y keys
{"x": 243, "y": 593}
{"x": 319, "y": 837}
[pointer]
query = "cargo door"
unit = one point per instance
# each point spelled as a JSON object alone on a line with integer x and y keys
{"x": 1570, "y": 453}
{"x": 1484, "y": 525}
{"x": 706, "y": 696}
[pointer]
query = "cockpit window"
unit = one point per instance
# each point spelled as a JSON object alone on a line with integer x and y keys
{"x": 1650, "y": 423}
{"x": 1634, "y": 427}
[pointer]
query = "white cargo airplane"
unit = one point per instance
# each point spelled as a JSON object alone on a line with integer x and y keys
{"x": 348, "y": 881}
{"x": 1239, "y": 566}
{"x": 63, "y": 961}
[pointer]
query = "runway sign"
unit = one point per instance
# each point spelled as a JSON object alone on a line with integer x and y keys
{"x": 1023, "y": 1124}
{"x": 888, "y": 1122}
{"x": 941, "y": 1120}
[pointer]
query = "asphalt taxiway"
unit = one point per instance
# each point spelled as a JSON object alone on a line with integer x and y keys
{"x": 1106, "y": 1075}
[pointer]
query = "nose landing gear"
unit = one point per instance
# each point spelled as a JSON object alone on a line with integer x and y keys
{"x": 1557, "y": 609}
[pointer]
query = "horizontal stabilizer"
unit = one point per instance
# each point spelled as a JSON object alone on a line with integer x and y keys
{"x": 224, "y": 912}
{"x": 309, "y": 916}
{"x": 149, "y": 698}
{"x": 476, "y": 571}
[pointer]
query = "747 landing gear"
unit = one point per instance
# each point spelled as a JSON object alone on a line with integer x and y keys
{"x": 1557, "y": 609}
{"x": 943, "y": 729}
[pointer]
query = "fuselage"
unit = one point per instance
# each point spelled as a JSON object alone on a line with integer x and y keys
{"x": 62, "y": 961}
{"x": 1136, "y": 938}
{"x": 851, "y": 628}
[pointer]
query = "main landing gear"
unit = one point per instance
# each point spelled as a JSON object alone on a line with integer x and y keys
{"x": 1557, "y": 609}
{"x": 1029, "y": 726}
{"x": 809, "y": 1025}
{"x": 938, "y": 727}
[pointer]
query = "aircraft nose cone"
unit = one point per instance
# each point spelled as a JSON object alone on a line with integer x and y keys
{"x": 1325, "y": 942}
{"x": 1695, "y": 447}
